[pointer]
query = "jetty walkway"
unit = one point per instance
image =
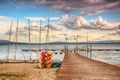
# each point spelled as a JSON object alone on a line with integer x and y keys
{"x": 76, "y": 67}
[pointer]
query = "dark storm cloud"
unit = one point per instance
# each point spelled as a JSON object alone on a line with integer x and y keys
{"x": 111, "y": 0}
{"x": 87, "y": 6}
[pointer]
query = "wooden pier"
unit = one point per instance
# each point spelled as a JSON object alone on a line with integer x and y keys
{"x": 76, "y": 67}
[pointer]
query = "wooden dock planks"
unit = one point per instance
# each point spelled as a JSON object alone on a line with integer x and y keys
{"x": 76, "y": 67}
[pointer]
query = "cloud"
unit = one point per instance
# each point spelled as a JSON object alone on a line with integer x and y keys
{"x": 54, "y": 18}
{"x": 118, "y": 32}
{"x": 41, "y": 18}
{"x": 9, "y": 33}
{"x": 87, "y": 6}
{"x": 35, "y": 18}
{"x": 4, "y": 18}
{"x": 53, "y": 27}
{"x": 118, "y": 27}
{"x": 5, "y": 23}
{"x": 78, "y": 22}
{"x": 114, "y": 33}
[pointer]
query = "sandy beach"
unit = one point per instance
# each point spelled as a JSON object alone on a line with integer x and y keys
{"x": 26, "y": 71}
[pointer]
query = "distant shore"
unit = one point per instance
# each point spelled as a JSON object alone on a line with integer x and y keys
{"x": 6, "y": 42}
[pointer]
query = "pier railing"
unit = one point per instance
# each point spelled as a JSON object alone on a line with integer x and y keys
{"x": 87, "y": 50}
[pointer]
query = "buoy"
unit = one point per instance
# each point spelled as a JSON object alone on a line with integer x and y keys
{"x": 45, "y": 59}
{"x": 41, "y": 64}
{"x": 49, "y": 65}
{"x": 49, "y": 57}
{"x": 43, "y": 53}
{"x": 50, "y": 53}
{"x": 49, "y": 61}
{"x": 42, "y": 59}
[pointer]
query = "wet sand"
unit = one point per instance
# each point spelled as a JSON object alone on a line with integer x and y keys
{"x": 26, "y": 71}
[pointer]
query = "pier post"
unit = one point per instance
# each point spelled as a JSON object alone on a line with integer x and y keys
{"x": 91, "y": 51}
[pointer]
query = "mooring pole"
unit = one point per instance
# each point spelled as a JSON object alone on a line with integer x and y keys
{"x": 9, "y": 40}
{"x": 47, "y": 36}
{"x": 91, "y": 51}
{"x": 87, "y": 45}
{"x": 40, "y": 35}
{"x": 16, "y": 39}
{"x": 29, "y": 37}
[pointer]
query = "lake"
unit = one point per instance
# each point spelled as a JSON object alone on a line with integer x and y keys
{"x": 112, "y": 57}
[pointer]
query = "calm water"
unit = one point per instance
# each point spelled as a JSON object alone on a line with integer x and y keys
{"x": 112, "y": 57}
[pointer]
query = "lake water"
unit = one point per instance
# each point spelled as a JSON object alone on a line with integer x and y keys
{"x": 112, "y": 57}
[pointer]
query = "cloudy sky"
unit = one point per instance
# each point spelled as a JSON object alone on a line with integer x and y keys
{"x": 100, "y": 19}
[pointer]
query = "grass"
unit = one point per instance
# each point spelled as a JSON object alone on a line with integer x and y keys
{"x": 12, "y": 75}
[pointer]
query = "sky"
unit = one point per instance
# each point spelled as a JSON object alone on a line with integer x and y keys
{"x": 100, "y": 19}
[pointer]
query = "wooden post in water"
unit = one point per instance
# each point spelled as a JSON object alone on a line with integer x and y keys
{"x": 91, "y": 51}
{"x": 16, "y": 40}
{"x": 29, "y": 37}
{"x": 77, "y": 42}
{"x": 65, "y": 35}
{"x": 87, "y": 46}
{"x": 9, "y": 40}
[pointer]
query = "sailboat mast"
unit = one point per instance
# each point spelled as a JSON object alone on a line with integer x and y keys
{"x": 40, "y": 35}
{"x": 47, "y": 36}
{"x": 48, "y": 30}
{"x": 16, "y": 39}
{"x": 9, "y": 39}
{"x": 29, "y": 37}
